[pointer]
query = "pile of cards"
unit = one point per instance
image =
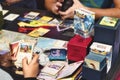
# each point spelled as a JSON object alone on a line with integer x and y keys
{"x": 33, "y": 19}
{"x": 21, "y": 49}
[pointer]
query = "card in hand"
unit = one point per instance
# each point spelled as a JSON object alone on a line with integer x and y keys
{"x": 25, "y": 50}
{"x": 14, "y": 49}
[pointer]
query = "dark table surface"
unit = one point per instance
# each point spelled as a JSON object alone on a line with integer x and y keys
{"x": 53, "y": 33}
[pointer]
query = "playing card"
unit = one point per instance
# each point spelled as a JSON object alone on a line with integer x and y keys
{"x": 11, "y": 17}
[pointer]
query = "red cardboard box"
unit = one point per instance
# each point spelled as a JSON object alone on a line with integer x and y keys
{"x": 78, "y": 48}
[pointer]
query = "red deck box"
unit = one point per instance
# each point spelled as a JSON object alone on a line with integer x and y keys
{"x": 78, "y": 48}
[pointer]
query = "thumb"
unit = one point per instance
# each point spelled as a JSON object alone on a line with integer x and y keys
{"x": 25, "y": 62}
{"x": 35, "y": 58}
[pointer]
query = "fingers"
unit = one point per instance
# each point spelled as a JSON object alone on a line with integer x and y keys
{"x": 67, "y": 14}
{"x": 58, "y": 4}
{"x": 12, "y": 1}
{"x": 35, "y": 58}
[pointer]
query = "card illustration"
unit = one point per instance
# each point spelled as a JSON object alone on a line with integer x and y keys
{"x": 25, "y": 48}
{"x": 83, "y": 22}
{"x": 57, "y": 54}
{"x": 108, "y": 21}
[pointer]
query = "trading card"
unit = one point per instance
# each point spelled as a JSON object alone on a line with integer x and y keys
{"x": 54, "y": 22}
{"x": 38, "y": 32}
{"x": 108, "y": 21}
{"x": 11, "y": 17}
{"x": 64, "y": 25}
{"x": 14, "y": 49}
{"x": 58, "y": 54}
{"x": 23, "y": 19}
{"x": 45, "y": 19}
{"x": 31, "y": 15}
{"x": 100, "y": 48}
{"x": 25, "y": 50}
{"x": 52, "y": 68}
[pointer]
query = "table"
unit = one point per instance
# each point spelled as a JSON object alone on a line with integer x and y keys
{"x": 12, "y": 26}
{"x": 52, "y": 34}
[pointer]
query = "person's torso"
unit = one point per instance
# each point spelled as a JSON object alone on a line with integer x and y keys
{"x": 97, "y": 3}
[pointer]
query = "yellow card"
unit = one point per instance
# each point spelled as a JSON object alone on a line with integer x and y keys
{"x": 108, "y": 21}
{"x": 38, "y": 32}
{"x": 46, "y": 18}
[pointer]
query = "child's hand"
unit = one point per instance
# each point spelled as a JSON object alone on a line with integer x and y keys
{"x": 9, "y": 2}
{"x": 31, "y": 69}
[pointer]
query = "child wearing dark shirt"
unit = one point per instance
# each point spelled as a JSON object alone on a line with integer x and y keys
{"x": 31, "y": 4}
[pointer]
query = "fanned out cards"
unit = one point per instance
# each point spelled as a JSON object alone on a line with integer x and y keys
{"x": 21, "y": 49}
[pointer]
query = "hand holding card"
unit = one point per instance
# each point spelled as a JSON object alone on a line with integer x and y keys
{"x": 24, "y": 49}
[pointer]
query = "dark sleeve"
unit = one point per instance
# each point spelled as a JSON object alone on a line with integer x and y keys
{"x": 30, "y": 4}
{"x": 40, "y": 4}
{"x": 32, "y": 78}
{"x": 2, "y": 1}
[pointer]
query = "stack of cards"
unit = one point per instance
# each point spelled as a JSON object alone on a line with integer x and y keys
{"x": 52, "y": 69}
{"x": 42, "y": 21}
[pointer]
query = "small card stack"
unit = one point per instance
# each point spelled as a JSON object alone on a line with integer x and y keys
{"x": 53, "y": 68}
